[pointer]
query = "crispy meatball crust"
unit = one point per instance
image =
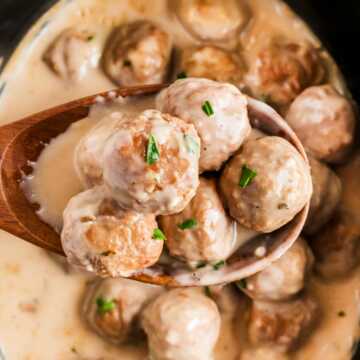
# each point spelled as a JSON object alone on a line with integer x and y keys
{"x": 323, "y": 112}
{"x": 182, "y": 324}
{"x": 100, "y": 237}
{"x": 284, "y": 277}
{"x": 213, "y": 20}
{"x": 282, "y": 325}
{"x": 164, "y": 186}
{"x": 119, "y": 323}
{"x": 212, "y": 238}
{"x": 212, "y": 63}
{"x": 278, "y": 192}
{"x": 71, "y": 54}
{"x": 137, "y": 53}
{"x": 222, "y": 132}
{"x": 325, "y": 198}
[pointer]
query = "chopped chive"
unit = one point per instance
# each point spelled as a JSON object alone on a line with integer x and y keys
{"x": 201, "y": 264}
{"x": 247, "y": 176}
{"x": 191, "y": 145}
{"x": 219, "y": 265}
{"x": 187, "y": 224}
{"x": 104, "y": 306}
{"x": 127, "y": 62}
{"x": 158, "y": 235}
{"x": 207, "y": 291}
{"x": 241, "y": 284}
{"x": 108, "y": 253}
{"x": 152, "y": 152}
{"x": 182, "y": 75}
{"x": 207, "y": 108}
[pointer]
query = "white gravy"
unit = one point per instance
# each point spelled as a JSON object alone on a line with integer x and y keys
{"x": 39, "y": 301}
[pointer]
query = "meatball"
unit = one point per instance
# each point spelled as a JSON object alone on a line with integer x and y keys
{"x": 266, "y": 184}
{"x": 137, "y": 53}
{"x": 283, "y": 324}
{"x": 218, "y": 112}
{"x": 212, "y": 63}
{"x": 100, "y": 237}
{"x": 151, "y": 163}
{"x": 112, "y": 308}
{"x": 322, "y": 111}
{"x": 283, "y": 70}
{"x": 72, "y": 53}
{"x": 182, "y": 324}
{"x": 88, "y": 155}
{"x": 215, "y": 20}
{"x": 337, "y": 246}
{"x": 284, "y": 277}
{"x": 325, "y": 197}
{"x": 212, "y": 234}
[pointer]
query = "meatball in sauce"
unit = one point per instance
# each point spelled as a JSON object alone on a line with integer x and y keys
{"x": 218, "y": 111}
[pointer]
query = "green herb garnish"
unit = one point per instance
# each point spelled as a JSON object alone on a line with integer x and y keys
{"x": 182, "y": 75}
{"x": 127, "y": 62}
{"x": 247, "y": 176}
{"x": 241, "y": 284}
{"x": 201, "y": 264}
{"x": 207, "y": 291}
{"x": 207, "y": 108}
{"x": 104, "y": 306}
{"x": 191, "y": 145}
{"x": 90, "y": 38}
{"x": 158, "y": 235}
{"x": 219, "y": 265}
{"x": 187, "y": 224}
{"x": 152, "y": 152}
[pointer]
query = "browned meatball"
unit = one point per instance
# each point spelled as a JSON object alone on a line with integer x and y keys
{"x": 137, "y": 53}
{"x": 325, "y": 197}
{"x": 284, "y": 277}
{"x": 100, "y": 237}
{"x": 112, "y": 307}
{"x": 211, "y": 235}
{"x": 151, "y": 163}
{"x": 217, "y": 110}
{"x": 282, "y": 325}
{"x": 283, "y": 70}
{"x": 182, "y": 324}
{"x": 215, "y": 20}
{"x": 324, "y": 121}
{"x": 337, "y": 246}
{"x": 213, "y": 63}
{"x": 72, "y": 53}
{"x": 266, "y": 184}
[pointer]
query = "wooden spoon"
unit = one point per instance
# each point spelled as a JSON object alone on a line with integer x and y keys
{"x": 21, "y": 142}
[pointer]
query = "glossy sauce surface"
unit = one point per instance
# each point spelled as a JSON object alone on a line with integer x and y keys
{"x": 39, "y": 301}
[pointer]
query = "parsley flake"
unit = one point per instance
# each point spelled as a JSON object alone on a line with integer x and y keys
{"x": 152, "y": 151}
{"x": 219, "y": 265}
{"x": 241, "y": 284}
{"x": 207, "y": 108}
{"x": 158, "y": 235}
{"x": 182, "y": 75}
{"x": 104, "y": 306}
{"x": 247, "y": 176}
{"x": 188, "y": 224}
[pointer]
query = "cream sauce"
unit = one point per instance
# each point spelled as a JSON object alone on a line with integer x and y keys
{"x": 39, "y": 302}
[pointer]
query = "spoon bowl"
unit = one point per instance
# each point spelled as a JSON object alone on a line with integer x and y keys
{"x": 22, "y": 142}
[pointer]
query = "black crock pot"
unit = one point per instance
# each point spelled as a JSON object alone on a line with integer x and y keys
{"x": 336, "y": 22}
